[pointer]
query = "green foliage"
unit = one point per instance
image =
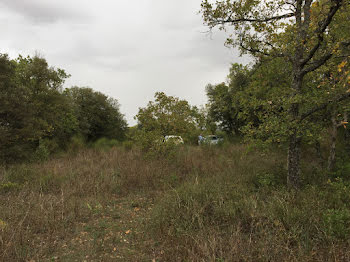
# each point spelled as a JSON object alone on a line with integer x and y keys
{"x": 224, "y": 104}
{"x": 169, "y": 115}
{"x": 76, "y": 143}
{"x": 343, "y": 170}
{"x": 13, "y": 113}
{"x": 303, "y": 42}
{"x": 338, "y": 194}
{"x": 98, "y": 116}
{"x": 105, "y": 143}
{"x": 154, "y": 146}
{"x": 34, "y": 107}
{"x": 37, "y": 118}
{"x": 147, "y": 140}
{"x": 337, "y": 223}
{"x": 42, "y": 152}
{"x": 265, "y": 180}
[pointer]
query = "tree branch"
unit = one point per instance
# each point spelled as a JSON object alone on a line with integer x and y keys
{"x": 252, "y": 20}
{"x": 275, "y": 50}
{"x": 255, "y": 50}
{"x": 322, "y": 60}
{"x": 324, "y": 105}
{"x": 307, "y": 19}
{"x": 316, "y": 64}
{"x": 320, "y": 30}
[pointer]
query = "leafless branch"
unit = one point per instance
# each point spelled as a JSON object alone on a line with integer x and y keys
{"x": 252, "y": 20}
{"x": 255, "y": 50}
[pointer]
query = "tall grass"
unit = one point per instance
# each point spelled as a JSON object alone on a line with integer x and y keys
{"x": 211, "y": 204}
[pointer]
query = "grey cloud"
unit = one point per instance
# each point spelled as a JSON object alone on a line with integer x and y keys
{"x": 127, "y": 50}
{"x": 205, "y": 48}
{"x": 43, "y": 11}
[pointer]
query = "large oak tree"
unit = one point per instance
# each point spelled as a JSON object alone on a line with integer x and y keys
{"x": 303, "y": 32}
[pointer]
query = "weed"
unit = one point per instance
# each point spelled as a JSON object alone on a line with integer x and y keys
{"x": 9, "y": 186}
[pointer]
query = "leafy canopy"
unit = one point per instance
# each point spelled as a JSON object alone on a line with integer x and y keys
{"x": 169, "y": 115}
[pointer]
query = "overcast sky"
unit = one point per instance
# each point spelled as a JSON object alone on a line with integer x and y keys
{"x": 125, "y": 49}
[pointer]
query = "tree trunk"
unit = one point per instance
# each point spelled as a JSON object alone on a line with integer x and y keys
{"x": 293, "y": 161}
{"x": 318, "y": 151}
{"x": 334, "y": 132}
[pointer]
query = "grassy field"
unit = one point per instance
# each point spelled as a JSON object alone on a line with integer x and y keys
{"x": 183, "y": 204}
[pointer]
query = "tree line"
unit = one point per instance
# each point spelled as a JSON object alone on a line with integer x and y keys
{"x": 37, "y": 113}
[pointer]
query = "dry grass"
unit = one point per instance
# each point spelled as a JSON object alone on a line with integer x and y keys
{"x": 193, "y": 204}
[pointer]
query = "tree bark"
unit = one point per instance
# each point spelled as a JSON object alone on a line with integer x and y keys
{"x": 331, "y": 158}
{"x": 293, "y": 159}
{"x": 334, "y": 133}
{"x": 293, "y": 162}
{"x": 318, "y": 151}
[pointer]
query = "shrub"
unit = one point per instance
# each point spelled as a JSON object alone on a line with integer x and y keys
{"x": 42, "y": 152}
{"x": 152, "y": 144}
{"x": 128, "y": 145}
{"x": 265, "y": 180}
{"x": 105, "y": 144}
{"x": 337, "y": 194}
{"x": 147, "y": 141}
{"x": 337, "y": 223}
{"x": 342, "y": 170}
{"x": 76, "y": 143}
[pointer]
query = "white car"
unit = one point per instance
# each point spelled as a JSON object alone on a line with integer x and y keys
{"x": 211, "y": 140}
{"x": 174, "y": 139}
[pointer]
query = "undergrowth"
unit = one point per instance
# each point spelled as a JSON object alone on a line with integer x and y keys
{"x": 205, "y": 204}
